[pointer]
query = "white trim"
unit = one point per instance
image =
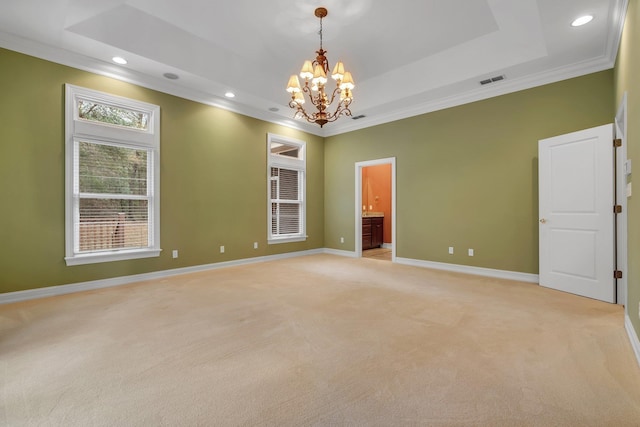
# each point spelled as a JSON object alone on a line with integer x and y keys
{"x": 633, "y": 337}
{"x": 621, "y": 198}
{"x": 339, "y": 252}
{"x": 358, "y": 202}
{"x": 467, "y": 269}
{"x": 77, "y": 129}
{"x": 278, "y": 240}
{"x": 298, "y": 164}
{"x": 387, "y": 246}
{"x": 50, "y": 291}
{"x": 618, "y": 16}
{"x": 81, "y": 62}
{"x": 109, "y": 256}
{"x": 484, "y": 92}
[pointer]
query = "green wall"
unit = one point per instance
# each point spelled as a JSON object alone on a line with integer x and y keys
{"x": 466, "y": 176}
{"x": 213, "y": 172}
{"x": 626, "y": 79}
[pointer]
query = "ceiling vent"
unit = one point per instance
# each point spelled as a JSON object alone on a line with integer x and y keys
{"x": 492, "y": 80}
{"x": 358, "y": 117}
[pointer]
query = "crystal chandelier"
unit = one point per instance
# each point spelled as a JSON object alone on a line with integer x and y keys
{"x": 315, "y": 77}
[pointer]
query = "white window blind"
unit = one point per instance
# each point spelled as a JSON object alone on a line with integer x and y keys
{"x": 286, "y": 202}
{"x": 287, "y": 169}
{"x": 113, "y": 198}
{"x": 113, "y": 181}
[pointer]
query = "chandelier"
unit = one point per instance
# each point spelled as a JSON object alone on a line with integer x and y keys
{"x": 315, "y": 77}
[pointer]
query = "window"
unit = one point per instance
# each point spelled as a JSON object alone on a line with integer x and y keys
{"x": 112, "y": 178}
{"x": 286, "y": 189}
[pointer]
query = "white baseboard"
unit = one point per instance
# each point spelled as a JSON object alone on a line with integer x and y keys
{"x": 387, "y": 245}
{"x": 633, "y": 337}
{"x": 479, "y": 271}
{"x": 349, "y": 254}
{"x": 49, "y": 291}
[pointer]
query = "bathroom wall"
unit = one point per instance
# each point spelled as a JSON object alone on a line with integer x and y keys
{"x": 376, "y": 194}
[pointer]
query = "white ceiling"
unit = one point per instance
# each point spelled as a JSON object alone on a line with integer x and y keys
{"x": 407, "y": 57}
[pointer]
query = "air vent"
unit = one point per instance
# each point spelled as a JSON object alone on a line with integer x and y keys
{"x": 492, "y": 80}
{"x": 358, "y": 117}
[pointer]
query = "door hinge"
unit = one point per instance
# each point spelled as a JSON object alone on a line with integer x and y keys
{"x": 617, "y": 209}
{"x": 617, "y": 274}
{"x": 617, "y": 142}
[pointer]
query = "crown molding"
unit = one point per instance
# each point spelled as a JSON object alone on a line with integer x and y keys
{"x": 75, "y": 60}
{"x": 85, "y": 63}
{"x": 482, "y": 93}
{"x": 605, "y": 62}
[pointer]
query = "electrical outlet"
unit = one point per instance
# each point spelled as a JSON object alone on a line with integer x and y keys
{"x": 342, "y": 240}
{"x": 450, "y": 250}
{"x": 470, "y": 252}
{"x": 221, "y": 249}
{"x": 255, "y": 245}
{"x": 175, "y": 253}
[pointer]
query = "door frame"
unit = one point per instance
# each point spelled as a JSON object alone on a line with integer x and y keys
{"x": 358, "y": 203}
{"x": 620, "y": 128}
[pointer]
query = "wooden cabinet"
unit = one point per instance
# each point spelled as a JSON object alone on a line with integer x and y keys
{"x": 372, "y": 235}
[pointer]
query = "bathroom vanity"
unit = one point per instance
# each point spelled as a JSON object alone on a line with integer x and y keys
{"x": 372, "y": 231}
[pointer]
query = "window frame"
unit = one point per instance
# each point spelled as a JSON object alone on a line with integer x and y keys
{"x": 298, "y": 164}
{"x": 78, "y": 129}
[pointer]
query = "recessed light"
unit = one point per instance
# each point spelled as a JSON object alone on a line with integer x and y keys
{"x": 171, "y": 76}
{"x": 274, "y": 109}
{"x": 230, "y": 95}
{"x": 582, "y": 20}
{"x": 119, "y": 60}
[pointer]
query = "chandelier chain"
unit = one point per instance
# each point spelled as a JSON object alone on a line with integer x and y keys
{"x": 320, "y": 33}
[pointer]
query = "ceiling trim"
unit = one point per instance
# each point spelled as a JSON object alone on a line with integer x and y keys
{"x": 81, "y": 62}
{"x": 505, "y": 87}
{"x": 619, "y": 14}
{"x": 75, "y": 60}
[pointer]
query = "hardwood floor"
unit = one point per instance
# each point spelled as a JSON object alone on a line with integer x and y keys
{"x": 383, "y": 254}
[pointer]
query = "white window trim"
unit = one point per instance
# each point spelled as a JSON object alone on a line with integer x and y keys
{"x": 299, "y": 164}
{"x": 76, "y": 129}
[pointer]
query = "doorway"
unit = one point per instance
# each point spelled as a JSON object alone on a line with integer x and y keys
{"x": 375, "y": 208}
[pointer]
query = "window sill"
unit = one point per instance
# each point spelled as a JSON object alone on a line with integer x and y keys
{"x": 94, "y": 258}
{"x": 275, "y": 241}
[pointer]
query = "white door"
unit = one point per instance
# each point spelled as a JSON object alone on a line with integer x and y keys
{"x": 576, "y": 213}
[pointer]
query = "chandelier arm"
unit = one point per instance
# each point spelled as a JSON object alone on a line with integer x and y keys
{"x": 333, "y": 95}
{"x": 301, "y": 110}
{"x": 316, "y": 100}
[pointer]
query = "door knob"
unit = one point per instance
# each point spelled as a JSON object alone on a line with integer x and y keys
{"x": 543, "y": 221}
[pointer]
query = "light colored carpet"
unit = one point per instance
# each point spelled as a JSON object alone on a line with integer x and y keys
{"x": 318, "y": 340}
